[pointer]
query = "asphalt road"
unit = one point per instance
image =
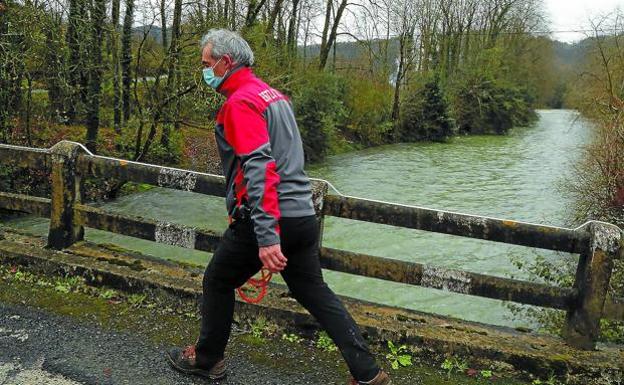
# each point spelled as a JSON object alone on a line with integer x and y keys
{"x": 40, "y": 348}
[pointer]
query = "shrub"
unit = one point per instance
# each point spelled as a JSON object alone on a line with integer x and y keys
{"x": 317, "y": 100}
{"x": 369, "y": 108}
{"x": 483, "y": 105}
{"x": 19, "y": 180}
{"x": 424, "y": 115}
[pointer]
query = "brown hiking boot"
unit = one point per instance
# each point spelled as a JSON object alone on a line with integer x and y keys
{"x": 185, "y": 361}
{"x": 381, "y": 378}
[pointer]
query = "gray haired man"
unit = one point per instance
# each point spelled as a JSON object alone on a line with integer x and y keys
{"x": 273, "y": 224}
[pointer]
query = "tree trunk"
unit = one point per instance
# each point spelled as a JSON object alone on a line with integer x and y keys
{"x": 74, "y": 37}
{"x": 5, "y": 83}
{"x": 28, "y": 109}
{"x": 252, "y": 12}
{"x": 95, "y": 79}
{"x": 306, "y": 36}
{"x": 397, "y": 85}
{"x": 281, "y": 28}
{"x": 219, "y": 12}
{"x": 326, "y": 26}
{"x": 55, "y": 78}
{"x": 137, "y": 144}
{"x": 273, "y": 16}
{"x": 329, "y": 40}
{"x": 116, "y": 68}
{"x": 171, "y": 109}
{"x": 126, "y": 59}
{"x": 163, "y": 24}
{"x": 84, "y": 35}
{"x": 293, "y": 28}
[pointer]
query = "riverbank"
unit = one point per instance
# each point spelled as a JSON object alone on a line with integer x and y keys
{"x": 193, "y": 147}
{"x": 123, "y": 282}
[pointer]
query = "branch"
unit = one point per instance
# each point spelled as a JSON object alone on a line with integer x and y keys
{"x": 178, "y": 95}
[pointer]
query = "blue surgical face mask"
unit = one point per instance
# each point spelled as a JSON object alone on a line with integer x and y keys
{"x": 210, "y": 78}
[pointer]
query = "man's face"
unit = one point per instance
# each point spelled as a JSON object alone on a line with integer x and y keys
{"x": 221, "y": 67}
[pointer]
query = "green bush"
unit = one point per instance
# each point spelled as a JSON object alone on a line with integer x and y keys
{"x": 320, "y": 112}
{"x": 125, "y": 144}
{"x": 20, "y": 180}
{"x": 483, "y": 105}
{"x": 369, "y": 108}
{"x": 561, "y": 272}
{"x": 424, "y": 114}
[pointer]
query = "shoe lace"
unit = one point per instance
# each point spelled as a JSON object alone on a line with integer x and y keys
{"x": 189, "y": 352}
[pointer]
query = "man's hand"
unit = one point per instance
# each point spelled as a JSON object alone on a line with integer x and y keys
{"x": 272, "y": 258}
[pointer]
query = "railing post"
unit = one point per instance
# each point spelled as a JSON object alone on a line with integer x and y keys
{"x": 319, "y": 190}
{"x": 66, "y": 191}
{"x": 593, "y": 274}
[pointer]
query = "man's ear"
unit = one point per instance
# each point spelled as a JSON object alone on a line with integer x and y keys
{"x": 227, "y": 60}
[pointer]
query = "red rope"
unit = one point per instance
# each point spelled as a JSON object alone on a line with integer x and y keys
{"x": 259, "y": 285}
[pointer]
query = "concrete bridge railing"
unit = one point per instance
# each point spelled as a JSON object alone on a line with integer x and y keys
{"x": 588, "y": 301}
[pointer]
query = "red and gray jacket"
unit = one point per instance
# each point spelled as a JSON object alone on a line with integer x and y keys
{"x": 262, "y": 154}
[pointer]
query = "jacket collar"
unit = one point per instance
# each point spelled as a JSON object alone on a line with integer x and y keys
{"x": 238, "y": 76}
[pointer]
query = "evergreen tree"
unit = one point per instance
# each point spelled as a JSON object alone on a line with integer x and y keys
{"x": 425, "y": 114}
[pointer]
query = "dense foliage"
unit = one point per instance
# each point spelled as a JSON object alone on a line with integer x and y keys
{"x": 320, "y": 112}
{"x": 425, "y": 114}
{"x": 139, "y": 89}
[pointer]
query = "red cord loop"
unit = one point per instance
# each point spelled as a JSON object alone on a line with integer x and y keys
{"x": 259, "y": 285}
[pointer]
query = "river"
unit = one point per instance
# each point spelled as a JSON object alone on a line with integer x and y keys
{"x": 517, "y": 176}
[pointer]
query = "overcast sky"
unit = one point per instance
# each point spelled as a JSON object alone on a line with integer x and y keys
{"x": 574, "y": 15}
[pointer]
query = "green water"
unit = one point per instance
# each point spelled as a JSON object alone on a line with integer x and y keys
{"x": 513, "y": 177}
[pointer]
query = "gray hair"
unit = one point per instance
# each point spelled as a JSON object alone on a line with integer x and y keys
{"x": 226, "y": 42}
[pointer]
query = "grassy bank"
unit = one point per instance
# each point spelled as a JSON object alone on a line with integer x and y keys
{"x": 171, "y": 321}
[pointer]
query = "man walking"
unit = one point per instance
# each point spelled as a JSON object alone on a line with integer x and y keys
{"x": 269, "y": 200}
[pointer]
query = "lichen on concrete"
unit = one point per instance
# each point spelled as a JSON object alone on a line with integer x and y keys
{"x": 175, "y": 235}
{"x": 605, "y": 237}
{"x": 446, "y": 279}
{"x": 177, "y": 179}
{"x": 319, "y": 190}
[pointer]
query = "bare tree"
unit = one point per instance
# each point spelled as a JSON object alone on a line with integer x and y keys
{"x": 270, "y": 30}
{"x": 330, "y": 29}
{"x": 253, "y": 10}
{"x": 404, "y": 16}
{"x": 293, "y": 25}
{"x": 172, "y": 109}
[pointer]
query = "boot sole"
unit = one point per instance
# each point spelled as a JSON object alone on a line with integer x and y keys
{"x": 197, "y": 372}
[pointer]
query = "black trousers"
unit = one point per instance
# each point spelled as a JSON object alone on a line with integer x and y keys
{"x": 236, "y": 260}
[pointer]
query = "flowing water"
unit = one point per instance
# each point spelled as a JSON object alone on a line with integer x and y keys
{"x": 517, "y": 176}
